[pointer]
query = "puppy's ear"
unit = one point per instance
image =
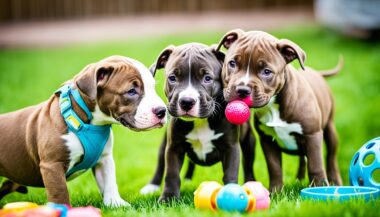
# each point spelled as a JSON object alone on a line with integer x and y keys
{"x": 92, "y": 77}
{"x": 162, "y": 59}
{"x": 103, "y": 74}
{"x": 229, "y": 38}
{"x": 218, "y": 54}
{"x": 290, "y": 51}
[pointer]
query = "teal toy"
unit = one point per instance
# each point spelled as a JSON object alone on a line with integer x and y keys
{"x": 63, "y": 209}
{"x": 232, "y": 198}
{"x": 365, "y": 165}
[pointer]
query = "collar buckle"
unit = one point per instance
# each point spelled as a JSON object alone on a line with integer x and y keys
{"x": 73, "y": 123}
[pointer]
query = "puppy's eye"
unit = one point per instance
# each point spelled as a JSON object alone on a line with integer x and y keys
{"x": 132, "y": 92}
{"x": 267, "y": 72}
{"x": 232, "y": 64}
{"x": 207, "y": 79}
{"x": 172, "y": 79}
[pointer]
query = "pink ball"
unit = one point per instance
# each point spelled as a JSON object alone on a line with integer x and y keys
{"x": 260, "y": 193}
{"x": 248, "y": 101}
{"x": 237, "y": 112}
{"x": 84, "y": 212}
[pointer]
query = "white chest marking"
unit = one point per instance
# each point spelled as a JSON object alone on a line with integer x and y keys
{"x": 201, "y": 138}
{"x": 272, "y": 125}
{"x": 76, "y": 150}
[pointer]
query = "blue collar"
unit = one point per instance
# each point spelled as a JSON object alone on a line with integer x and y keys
{"x": 93, "y": 138}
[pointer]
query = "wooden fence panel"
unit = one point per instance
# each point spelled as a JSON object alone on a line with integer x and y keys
{"x": 21, "y": 10}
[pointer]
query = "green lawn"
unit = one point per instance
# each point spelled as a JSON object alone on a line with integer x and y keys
{"x": 30, "y": 76}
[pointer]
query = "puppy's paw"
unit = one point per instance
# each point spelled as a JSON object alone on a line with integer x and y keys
{"x": 116, "y": 202}
{"x": 149, "y": 189}
{"x": 275, "y": 187}
{"x": 166, "y": 198}
{"x": 319, "y": 182}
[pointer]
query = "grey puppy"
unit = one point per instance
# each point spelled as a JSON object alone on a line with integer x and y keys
{"x": 198, "y": 127}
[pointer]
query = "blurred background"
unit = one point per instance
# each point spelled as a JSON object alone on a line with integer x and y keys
{"x": 56, "y": 22}
{"x": 46, "y": 42}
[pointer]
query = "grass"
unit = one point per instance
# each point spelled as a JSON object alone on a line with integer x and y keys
{"x": 30, "y": 76}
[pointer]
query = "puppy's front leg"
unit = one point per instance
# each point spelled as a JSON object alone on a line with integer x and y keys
{"x": 248, "y": 145}
{"x": 54, "y": 178}
{"x": 105, "y": 176}
{"x": 174, "y": 161}
{"x": 313, "y": 147}
{"x": 230, "y": 163}
{"x": 104, "y": 172}
{"x": 273, "y": 159}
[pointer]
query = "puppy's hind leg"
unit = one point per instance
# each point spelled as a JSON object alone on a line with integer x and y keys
{"x": 8, "y": 187}
{"x": 190, "y": 170}
{"x": 331, "y": 140}
{"x": 301, "y": 167}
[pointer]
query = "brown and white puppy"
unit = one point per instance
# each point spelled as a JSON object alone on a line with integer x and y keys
{"x": 294, "y": 109}
{"x": 198, "y": 127}
{"x": 36, "y": 148}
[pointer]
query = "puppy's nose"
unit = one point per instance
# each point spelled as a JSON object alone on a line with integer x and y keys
{"x": 186, "y": 103}
{"x": 243, "y": 91}
{"x": 160, "y": 112}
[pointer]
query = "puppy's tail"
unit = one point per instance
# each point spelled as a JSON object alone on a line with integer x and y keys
{"x": 334, "y": 71}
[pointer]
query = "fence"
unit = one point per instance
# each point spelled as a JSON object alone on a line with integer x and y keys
{"x": 21, "y": 10}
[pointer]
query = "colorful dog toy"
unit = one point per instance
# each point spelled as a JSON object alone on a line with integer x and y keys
{"x": 27, "y": 209}
{"x": 365, "y": 165}
{"x": 231, "y": 197}
{"x": 364, "y": 175}
{"x": 84, "y": 212}
{"x": 237, "y": 112}
{"x": 205, "y": 195}
{"x": 19, "y": 206}
{"x": 63, "y": 209}
{"x": 260, "y": 193}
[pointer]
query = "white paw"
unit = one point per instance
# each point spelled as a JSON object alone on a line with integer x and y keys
{"x": 149, "y": 189}
{"x": 116, "y": 202}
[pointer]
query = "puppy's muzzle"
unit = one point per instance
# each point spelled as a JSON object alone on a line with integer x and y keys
{"x": 243, "y": 91}
{"x": 186, "y": 103}
{"x": 159, "y": 112}
{"x": 124, "y": 122}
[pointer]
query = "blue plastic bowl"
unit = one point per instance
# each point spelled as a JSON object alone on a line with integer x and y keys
{"x": 340, "y": 193}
